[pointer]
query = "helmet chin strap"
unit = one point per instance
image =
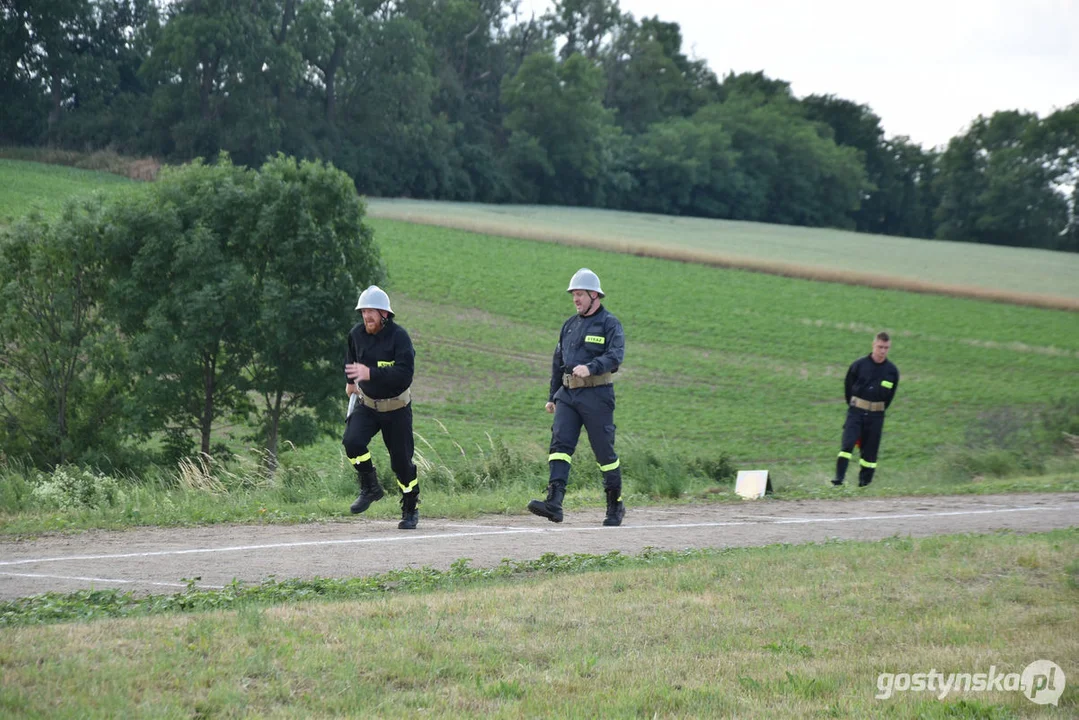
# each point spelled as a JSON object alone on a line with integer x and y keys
{"x": 591, "y": 302}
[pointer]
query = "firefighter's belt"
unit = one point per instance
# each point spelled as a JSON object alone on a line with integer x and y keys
{"x": 388, "y": 404}
{"x": 572, "y": 381}
{"x": 857, "y": 402}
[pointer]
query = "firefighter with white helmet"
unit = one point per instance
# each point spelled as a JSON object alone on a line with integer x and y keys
{"x": 379, "y": 365}
{"x": 589, "y": 351}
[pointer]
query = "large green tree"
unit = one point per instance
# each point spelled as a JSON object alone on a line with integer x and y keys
{"x": 996, "y": 186}
{"x": 179, "y": 291}
{"x": 233, "y": 285}
{"x": 60, "y": 399}
{"x": 216, "y": 72}
{"x": 308, "y": 255}
{"x": 564, "y": 147}
{"x": 787, "y": 171}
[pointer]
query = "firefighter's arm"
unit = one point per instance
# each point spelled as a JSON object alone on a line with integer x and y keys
{"x": 398, "y": 374}
{"x": 848, "y": 383}
{"x": 556, "y": 373}
{"x": 354, "y": 370}
{"x": 892, "y": 391}
{"x": 614, "y": 349}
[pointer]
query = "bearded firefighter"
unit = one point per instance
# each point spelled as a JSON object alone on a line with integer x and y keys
{"x": 379, "y": 367}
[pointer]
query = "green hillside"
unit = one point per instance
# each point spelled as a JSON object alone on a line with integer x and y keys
{"x": 29, "y": 186}
{"x": 806, "y": 252}
{"x": 716, "y": 360}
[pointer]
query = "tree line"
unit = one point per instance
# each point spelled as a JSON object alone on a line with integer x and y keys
{"x": 472, "y": 100}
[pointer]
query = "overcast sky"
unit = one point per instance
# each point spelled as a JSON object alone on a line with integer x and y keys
{"x": 927, "y": 68}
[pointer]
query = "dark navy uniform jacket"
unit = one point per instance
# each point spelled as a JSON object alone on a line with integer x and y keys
{"x": 870, "y": 381}
{"x": 596, "y": 341}
{"x": 389, "y": 354}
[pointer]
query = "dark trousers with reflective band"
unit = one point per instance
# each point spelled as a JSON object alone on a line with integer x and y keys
{"x": 396, "y": 427}
{"x": 867, "y": 426}
{"x": 593, "y": 409}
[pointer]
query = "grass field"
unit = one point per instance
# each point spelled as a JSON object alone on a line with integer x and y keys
{"x": 716, "y": 360}
{"x": 26, "y": 187}
{"x": 1038, "y": 277}
{"x": 780, "y": 631}
{"x": 719, "y": 363}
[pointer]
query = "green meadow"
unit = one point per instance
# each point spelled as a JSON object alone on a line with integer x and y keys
{"x": 717, "y": 360}
{"x": 27, "y": 187}
{"x": 725, "y": 369}
{"x": 816, "y": 253}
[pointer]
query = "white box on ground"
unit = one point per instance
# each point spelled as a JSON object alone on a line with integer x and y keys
{"x": 752, "y": 484}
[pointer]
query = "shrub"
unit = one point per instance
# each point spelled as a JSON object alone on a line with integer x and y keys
{"x": 69, "y": 488}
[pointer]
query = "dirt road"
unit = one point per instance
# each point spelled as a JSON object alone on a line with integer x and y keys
{"x": 159, "y": 560}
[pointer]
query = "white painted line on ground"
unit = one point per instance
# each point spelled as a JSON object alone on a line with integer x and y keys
{"x": 907, "y": 516}
{"x": 108, "y": 580}
{"x": 487, "y": 527}
{"x": 512, "y": 531}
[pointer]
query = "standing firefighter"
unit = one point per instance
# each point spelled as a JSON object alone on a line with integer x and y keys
{"x": 379, "y": 367}
{"x": 870, "y": 387}
{"x": 589, "y": 351}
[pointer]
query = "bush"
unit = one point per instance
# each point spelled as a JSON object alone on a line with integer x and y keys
{"x": 719, "y": 469}
{"x": 69, "y": 488}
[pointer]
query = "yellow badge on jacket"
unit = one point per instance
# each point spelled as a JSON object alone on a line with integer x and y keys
{"x": 598, "y": 339}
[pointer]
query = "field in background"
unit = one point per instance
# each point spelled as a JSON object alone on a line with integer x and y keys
{"x": 780, "y": 631}
{"x": 1036, "y": 277}
{"x": 27, "y": 187}
{"x": 717, "y": 360}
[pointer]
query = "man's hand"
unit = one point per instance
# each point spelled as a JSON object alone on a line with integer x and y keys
{"x": 357, "y": 372}
{"x": 550, "y": 407}
{"x": 582, "y": 371}
{"x": 351, "y": 389}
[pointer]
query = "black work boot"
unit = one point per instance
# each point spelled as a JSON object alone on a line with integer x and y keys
{"x": 410, "y": 516}
{"x": 551, "y": 508}
{"x": 840, "y": 471}
{"x": 370, "y": 491}
{"x": 615, "y": 509}
{"x": 865, "y": 476}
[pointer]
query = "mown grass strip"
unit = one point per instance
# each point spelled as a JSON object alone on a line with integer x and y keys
{"x": 779, "y": 631}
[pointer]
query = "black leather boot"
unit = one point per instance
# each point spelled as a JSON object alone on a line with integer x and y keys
{"x": 840, "y": 470}
{"x": 865, "y": 476}
{"x": 410, "y": 516}
{"x": 370, "y": 491}
{"x": 615, "y": 509}
{"x": 551, "y": 508}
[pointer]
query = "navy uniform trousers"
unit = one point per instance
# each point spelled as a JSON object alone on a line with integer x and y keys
{"x": 593, "y": 409}
{"x": 865, "y": 426}
{"x": 396, "y": 426}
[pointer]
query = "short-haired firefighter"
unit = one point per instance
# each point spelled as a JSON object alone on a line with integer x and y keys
{"x": 379, "y": 366}
{"x": 589, "y": 351}
{"x": 869, "y": 387}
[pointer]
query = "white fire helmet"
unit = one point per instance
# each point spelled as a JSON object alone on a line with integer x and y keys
{"x": 585, "y": 279}
{"x": 374, "y": 298}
